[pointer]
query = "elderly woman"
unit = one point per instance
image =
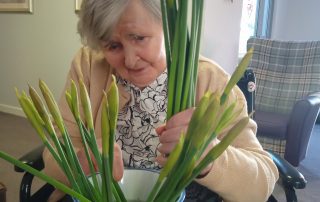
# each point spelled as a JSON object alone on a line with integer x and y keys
{"x": 125, "y": 38}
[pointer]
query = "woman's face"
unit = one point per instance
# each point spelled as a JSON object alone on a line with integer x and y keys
{"x": 136, "y": 48}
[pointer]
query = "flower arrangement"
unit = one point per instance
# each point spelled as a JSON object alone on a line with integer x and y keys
{"x": 212, "y": 114}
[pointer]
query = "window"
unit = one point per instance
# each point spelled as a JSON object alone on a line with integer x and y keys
{"x": 248, "y": 24}
{"x": 256, "y": 20}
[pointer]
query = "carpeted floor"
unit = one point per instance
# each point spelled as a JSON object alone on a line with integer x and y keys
{"x": 17, "y": 137}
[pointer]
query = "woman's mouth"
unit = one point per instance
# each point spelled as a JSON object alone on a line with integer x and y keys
{"x": 137, "y": 71}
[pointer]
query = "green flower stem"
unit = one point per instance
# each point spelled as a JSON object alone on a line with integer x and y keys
{"x": 106, "y": 179}
{"x": 200, "y": 4}
{"x": 154, "y": 190}
{"x": 178, "y": 171}
{"x": 172, "y": 15}
{"x": 44, "y": 177}
{"x": 191, "y": 62}
{"x": 89, "y": 160}
{"x": 119, "y": 191}
{"x": 78, "y": 168}
{"x": 95, "y": 149}
{"x": 65, "y": 165}
{"x": 172, "y": 74}
{"x": 165, "y": 26}
{"x": 54, "y": 153}
{"x": 86, "y": 133}
{"x": 75, "y": 165}
{"x": 105, "y": 135}
{"x": 183, "y": 40}
{"x": 115, "y": 193}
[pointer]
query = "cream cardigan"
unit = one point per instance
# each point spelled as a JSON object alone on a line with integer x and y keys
{"x": 244, "y": 172}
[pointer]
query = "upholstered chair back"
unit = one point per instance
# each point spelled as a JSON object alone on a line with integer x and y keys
{"x": 285, "y": 72}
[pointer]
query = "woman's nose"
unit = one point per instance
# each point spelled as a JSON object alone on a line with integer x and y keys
{"x": 130, "y": 57}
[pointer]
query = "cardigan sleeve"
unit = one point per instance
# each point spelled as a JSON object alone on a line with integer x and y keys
{"x": 244, "y": 172}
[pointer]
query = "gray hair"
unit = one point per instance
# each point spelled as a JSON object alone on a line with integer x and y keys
{"x": 97, "y": 18}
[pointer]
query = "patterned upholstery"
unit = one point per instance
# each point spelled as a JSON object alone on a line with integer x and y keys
{"x": 286, "y": 71}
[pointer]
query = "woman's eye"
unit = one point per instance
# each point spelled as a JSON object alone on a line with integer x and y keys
{"x": 113, "y": 46}
{"x": 137, "y": 37}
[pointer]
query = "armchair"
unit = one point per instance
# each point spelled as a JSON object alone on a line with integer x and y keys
{"x": 287, "y": 94}
{"x": 290, "y": 178}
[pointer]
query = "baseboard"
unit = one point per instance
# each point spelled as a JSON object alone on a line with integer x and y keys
{"x": 11, "y": 110}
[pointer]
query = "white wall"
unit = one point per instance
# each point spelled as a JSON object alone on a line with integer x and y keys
{"x": 221, "y": 32}
{"x": 42, "y": 44}
{"x": 33, "y": 46}
{"x": 296, "y": 20}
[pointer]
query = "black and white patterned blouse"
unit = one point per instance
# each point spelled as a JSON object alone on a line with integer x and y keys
{"x": 137, "y": 121}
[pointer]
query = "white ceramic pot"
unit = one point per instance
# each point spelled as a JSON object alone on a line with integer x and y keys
{"x": 136, "y": 184}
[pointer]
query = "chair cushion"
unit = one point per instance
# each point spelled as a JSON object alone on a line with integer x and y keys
{"x": 271, "y": 124}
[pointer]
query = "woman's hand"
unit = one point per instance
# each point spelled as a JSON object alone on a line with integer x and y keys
{"x": 169, "y": 135}
{"x": 117, "y": 162}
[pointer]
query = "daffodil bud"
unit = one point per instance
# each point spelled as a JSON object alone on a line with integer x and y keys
{"x": 75, "y": 101}
{"x": 32, "y": 115}
{"x": 113, "y": 104}
{"x": 226, "y": 116}
{"x": 85, "y": 101}
{"x": 236, "y": 76}
{"x": 52, "y": 106}
{"x": 230, "y": 120}
{"x": 216, "y": 151}
{"x": 198, "y": 113}
{"x": 69, "y": 100}
{"x": 205, "y": 127}
{"x": 41, "y": 109}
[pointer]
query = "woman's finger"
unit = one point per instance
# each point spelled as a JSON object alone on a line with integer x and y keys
{"x": 181, "y": 118}
{"x": 161, "y": 160}
{"x": 167, "y": 148}
{"x": 172, "y": 135}
{"x": 117, "y": 163}
{"x": 160, "y": 129}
